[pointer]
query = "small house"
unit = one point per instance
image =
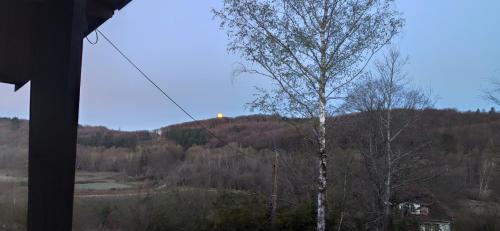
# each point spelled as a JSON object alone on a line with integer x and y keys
{"x": 422, "y": 208}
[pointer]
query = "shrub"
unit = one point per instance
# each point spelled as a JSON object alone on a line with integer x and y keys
{"x": 239, "y": 212}
{"x": 300, "y": 218}
{"x": 15, "y": 123}
{"x": 406, "y": 225}
{"x": 178, "y": 210}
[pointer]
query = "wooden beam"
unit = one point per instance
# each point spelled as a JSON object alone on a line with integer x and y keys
{"x": 54, "y": 114}
{"x": 16, "y": 41}
{"x": 18, "y": 37}
{"x": 99, "y": 11}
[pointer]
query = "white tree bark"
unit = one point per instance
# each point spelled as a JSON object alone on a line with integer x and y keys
{"x": 388, "y": 179}
{"x": 321, "y": 213}
{"x": 486, "y": 168}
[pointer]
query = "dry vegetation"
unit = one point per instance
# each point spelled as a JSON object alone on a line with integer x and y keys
{"x": 187, "y": 180}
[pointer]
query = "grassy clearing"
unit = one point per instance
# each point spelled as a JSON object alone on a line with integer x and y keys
{"x": 166, "y": 210}
{"x": 101, "y": 186}
{"x": 85, "y": 181}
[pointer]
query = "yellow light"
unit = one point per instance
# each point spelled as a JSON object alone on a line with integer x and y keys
{"x": 219, "y": 115}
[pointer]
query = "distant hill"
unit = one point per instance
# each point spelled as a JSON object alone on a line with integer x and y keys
{"x": 262, "y": 131}
{"x": 242, "y": 155}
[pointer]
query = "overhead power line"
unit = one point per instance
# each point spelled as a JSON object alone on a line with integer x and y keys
{"x": 164, "y": 93}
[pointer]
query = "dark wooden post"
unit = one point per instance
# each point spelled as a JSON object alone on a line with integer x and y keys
{"x": 41, "y": 41}
{"x": 54, "y": 114}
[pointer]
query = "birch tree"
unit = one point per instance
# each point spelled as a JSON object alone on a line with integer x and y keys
{"x": 487, "y": 164}
{"x": 486, "y": 168}
{"x": 310, "y": 50}
{"x": 390, "y": 109}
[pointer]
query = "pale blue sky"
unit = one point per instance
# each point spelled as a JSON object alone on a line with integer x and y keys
{"x": 454, "y": 48}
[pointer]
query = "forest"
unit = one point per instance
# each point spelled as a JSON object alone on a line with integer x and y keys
{"x": 257, "y": 175}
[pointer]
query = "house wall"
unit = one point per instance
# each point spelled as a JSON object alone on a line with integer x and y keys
{"x": 443, "y": 226}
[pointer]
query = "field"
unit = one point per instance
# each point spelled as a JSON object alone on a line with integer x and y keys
{"x": 93, "y": 191}
{"x": 107, "y": 201}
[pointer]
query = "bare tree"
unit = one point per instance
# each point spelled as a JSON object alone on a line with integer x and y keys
{"x": 487, "y": 164}
{"x": 486, "y": 169}
{"x": 492, "y": 93}
{"x": 310, "y": 49}
{"x": 347, "y": 176}
{"x": 390, "y": 108}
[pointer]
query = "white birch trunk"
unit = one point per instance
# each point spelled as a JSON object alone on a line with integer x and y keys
{"x": 387, "y": 222}
{"x": 321, "y": 213}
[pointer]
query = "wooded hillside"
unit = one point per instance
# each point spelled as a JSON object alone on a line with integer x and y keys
{"x": 459, "y": 160}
